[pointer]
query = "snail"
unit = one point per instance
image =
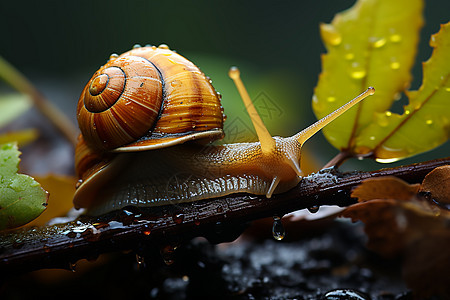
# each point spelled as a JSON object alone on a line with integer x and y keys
{"x": 147, "y": 119}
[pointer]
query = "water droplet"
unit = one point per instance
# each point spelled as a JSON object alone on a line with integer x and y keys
{"x": 395, "y": 38}
{"x": 140, "y": 260}
{"x": 433, "y": 39}
{"x": 278, "y": 231}
{"x": 347, "y": 294}
{"x": 378, "y": 42}
{"x": 163, "y": 46}
{"x": 79, "y": 182}
{"x": 429, "y": 122}
{"x": 175, "y": 83}
{"x": 178, "y": 218}
{"x": 318, "y": 105}
{"x": 382, "y": 120}
{"x": 147, "y": 230}
{"x": 172, "y": 61}
{"x": 358, "y": 73}
{"x": 386, "y": 160}
{"x": 331, "y": 99}
{"x": 167, "y": 254}
{"x": 113, "y": 56}
{"x": 407, "y": 112}
{"x": 137, "y": 46}
{"x": 388, "y": 113}
{"x": 349, "y": 56}
{"x": 127, "y": 212}
{"x": 395, "y": 65}
{"x": 330, "y": 35}
{"x": 72, "y": 266}
{"x": 314, "y": 209}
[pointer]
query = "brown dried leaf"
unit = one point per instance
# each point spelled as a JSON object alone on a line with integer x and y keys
{"x": 388, "y": 187}
{"x": 437, "y": 183}
{"x": 398, "y": 224}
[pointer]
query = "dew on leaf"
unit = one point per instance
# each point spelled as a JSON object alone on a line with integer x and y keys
{"x": 395, "y": 38}
{"x": 317, "y": 105}
{"x": 386, "y": 160}
{"x": 349, "y": 56}
{"x": 395, "y": 65}
{"x": 377, "y": 42}
{"x": 356, "y": 72}
{"x": 383, "y": 121}
{"x": 330, "y": 35}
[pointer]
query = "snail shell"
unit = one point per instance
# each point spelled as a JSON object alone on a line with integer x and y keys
{"x": 148, "y": 98}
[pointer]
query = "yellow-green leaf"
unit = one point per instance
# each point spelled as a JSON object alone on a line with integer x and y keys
{"x": 425, "y": 123}
{"x": 22, "y": 137}
{"x": 22, "y": 199}
{"x": 371, "y": 44}
{"x": 12, "y": 106}
{"x": 61, "y": 190}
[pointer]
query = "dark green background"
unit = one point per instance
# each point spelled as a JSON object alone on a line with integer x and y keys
{"x": 59, "y": 44}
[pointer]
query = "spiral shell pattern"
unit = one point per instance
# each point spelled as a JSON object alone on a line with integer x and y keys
{"x": 148, "y": 98}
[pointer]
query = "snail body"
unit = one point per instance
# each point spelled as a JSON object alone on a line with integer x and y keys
{"x": 172, "y": 162}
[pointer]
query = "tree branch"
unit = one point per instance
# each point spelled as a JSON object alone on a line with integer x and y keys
{"x": 219, "y": 220}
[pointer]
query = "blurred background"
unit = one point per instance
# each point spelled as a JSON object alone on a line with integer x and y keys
{"x": 58, "y": 45}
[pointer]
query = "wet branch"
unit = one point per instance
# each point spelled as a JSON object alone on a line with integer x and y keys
{"x": 218, "y": 220}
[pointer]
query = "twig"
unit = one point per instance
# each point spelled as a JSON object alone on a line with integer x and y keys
{"x": 19, "y": 82}
{"x": 337, "y": 160}
{"x": 221, "y": 219}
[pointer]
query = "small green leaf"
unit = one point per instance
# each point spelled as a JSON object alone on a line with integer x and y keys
{"x": 425, "y": 123}
{"x": 12, "y": 106}
{"x": 371, "y": 44}
{"x": 22, "y": 199}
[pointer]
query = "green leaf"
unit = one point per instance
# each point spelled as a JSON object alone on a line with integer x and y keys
{"x": 12, "y": 106}
{"x": 425, "y": 122}
{"x": 371, "y": 44}
{"x": 22, "y": 199}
